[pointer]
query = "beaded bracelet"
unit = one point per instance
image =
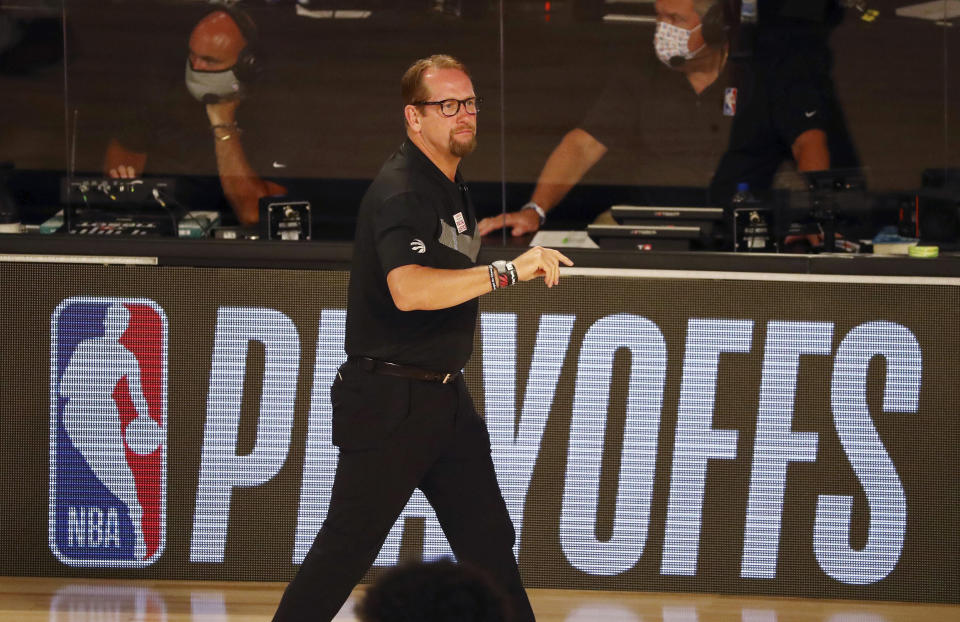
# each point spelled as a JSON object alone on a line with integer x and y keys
{"x": 506, "y": 272}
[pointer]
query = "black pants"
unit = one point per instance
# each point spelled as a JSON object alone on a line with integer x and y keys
{"x": 396, "y": 435}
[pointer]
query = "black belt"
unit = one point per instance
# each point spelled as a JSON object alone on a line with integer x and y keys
{"x": 403, "y": 371}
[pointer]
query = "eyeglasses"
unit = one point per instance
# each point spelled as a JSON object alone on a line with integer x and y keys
{"x": 450, "y": 107}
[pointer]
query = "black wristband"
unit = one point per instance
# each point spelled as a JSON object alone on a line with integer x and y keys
{"x": 493, "y": 277}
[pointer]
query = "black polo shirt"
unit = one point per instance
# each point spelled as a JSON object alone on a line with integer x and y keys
{"x": 411, "y": 214}
{"x": 658, "y": 130}
{"x": 784, "y": 90}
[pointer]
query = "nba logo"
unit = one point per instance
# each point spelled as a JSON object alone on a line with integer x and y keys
{"x": 729, "y": 101}
{"x": 108, "y": 432}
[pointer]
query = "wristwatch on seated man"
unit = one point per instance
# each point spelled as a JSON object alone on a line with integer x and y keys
{"x": 539, "y": 210}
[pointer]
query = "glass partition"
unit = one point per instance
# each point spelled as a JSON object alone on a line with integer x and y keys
{"x": 300, "y": 99}
{"x": 588, "y": 104}
{"x": 735, "y": 104}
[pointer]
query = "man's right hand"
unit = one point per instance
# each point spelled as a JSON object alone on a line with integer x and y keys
{"x": 122, "y": 163}
{"x": 223, "y": 112}
{"x": 524, "y": 221}
{"x": 122, "y": 171}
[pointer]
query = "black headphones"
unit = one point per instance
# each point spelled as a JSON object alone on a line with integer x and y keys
{"x": 247, "y": 67}
{"x": 716, "y": 23}
{"x": 715, "y": 26}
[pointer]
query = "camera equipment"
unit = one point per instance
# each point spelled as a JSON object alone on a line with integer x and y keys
{"x": 284, "y": 219}
{"x": 754, "y": 230}
{"x": 938, "y": 208}
{"x": 124, "y": 207}
{"x": 648, "y": 227}
{"x": 9, "y": 212}
{"x": 832, "y": 194}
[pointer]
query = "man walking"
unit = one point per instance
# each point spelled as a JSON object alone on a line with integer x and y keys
{"x": 402, "y": 416}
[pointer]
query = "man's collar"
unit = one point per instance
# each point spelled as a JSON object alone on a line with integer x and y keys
{"x": 408, "y": 147}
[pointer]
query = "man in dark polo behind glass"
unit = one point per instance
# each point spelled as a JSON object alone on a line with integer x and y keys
{"x": 693, "y": 118}
{"x": 169, "y": 130}
{"x": 402, "y": 416}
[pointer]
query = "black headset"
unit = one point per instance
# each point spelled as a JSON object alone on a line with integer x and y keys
{"x": 716, "y": 23}
{"x": 247, "y": 67}
{"x": 715, "y": 26}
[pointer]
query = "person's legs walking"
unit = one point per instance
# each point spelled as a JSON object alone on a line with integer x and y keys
{"x": 384, "y": 451}
{"x": 369, "y": 492}
{"x": 463, "y": 490}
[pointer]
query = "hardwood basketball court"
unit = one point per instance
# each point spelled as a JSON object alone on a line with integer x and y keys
{"x": 24, "y": 599}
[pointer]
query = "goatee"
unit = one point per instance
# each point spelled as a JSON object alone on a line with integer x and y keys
{"x": 461, "y": 149}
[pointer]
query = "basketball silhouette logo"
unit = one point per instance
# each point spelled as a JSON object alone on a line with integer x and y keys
{"x": 108, "y": 432}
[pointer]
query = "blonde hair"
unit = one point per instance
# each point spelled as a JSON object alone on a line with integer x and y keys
{"x": 412, "y": 88}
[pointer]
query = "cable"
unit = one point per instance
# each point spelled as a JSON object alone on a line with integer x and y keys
{"x": 204, "y": 228}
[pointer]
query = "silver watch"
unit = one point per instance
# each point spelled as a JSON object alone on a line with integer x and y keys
{"x": 539, "y": 210}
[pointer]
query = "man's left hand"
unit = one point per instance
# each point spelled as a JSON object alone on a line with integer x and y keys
{"x": 539, "y": 261}
{"x": 522, "y": 221}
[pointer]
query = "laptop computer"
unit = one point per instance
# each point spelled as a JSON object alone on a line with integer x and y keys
{"x": 647, "y": 237}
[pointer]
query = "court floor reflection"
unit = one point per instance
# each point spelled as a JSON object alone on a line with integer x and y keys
{"x": 24, "y": 599}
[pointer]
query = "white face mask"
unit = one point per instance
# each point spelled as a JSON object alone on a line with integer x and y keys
{"x": 672, "y": 44}
{"x": 213, "y": 86}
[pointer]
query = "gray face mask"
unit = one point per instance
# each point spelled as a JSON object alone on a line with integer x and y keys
{"x": 211, "y": 87}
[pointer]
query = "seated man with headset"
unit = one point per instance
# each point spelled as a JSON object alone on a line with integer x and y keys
{"x": 172, "y": 133}
{"x": 675, "y": 118}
